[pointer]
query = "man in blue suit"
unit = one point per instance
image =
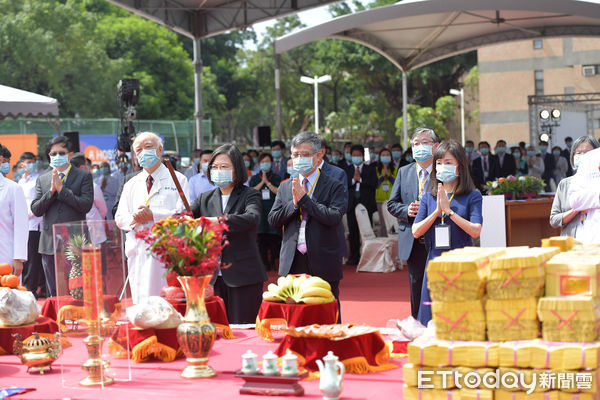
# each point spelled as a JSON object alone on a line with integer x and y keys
{"x": 412, "y": 181}
{"x": 279, "y": 161}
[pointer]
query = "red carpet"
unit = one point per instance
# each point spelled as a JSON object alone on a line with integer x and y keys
{"x": 371, "y": 298}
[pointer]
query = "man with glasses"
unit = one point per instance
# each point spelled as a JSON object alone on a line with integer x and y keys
{"x": 412, "y": 181}
{"x": 309, "y": 207}
{"x": 62, "y": 194}
{"x": 147, "y": 198}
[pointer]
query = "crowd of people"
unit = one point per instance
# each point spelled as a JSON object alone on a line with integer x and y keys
{"x": 285, "y": 211}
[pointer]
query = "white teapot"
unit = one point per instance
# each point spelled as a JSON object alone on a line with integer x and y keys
{"x": 331, "y": 379}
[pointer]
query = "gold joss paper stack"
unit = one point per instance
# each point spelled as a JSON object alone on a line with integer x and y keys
{"x": 413, "y": 393}
{"x": 564, "y": 243}
{"x": 511, "y": 319}
{"x": 569, "y": 319}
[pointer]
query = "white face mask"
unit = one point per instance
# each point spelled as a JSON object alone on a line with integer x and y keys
{"x": 577, "y": 160}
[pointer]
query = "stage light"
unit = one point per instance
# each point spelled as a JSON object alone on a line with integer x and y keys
{"x": 544, "y": 137}
{"x": 544, "y": 114}
{"x": 556, "y": 113}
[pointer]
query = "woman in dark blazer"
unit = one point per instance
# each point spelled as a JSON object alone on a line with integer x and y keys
{"x": 241, "y": 284}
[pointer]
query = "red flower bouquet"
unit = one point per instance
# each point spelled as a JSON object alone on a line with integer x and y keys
{"x": 187, "y": 246}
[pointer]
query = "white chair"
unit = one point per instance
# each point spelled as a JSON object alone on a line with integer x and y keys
{"x": 391, "y": 222}
{"x": 377, "y": 254}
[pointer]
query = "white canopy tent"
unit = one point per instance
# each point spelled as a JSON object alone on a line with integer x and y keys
{"x": 413, "y": 33}
{"x": 20, "y": 103}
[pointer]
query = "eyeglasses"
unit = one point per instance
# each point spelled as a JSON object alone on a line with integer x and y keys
{"x": 221, "y": 166}
{"x": 423, "y": 142}
{"x": 296, "y": 155}
{"x": 58, "y": 153}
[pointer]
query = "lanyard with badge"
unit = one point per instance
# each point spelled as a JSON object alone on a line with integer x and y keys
{"x": 266, "y": 193}
{"x": 302, "y": 232}
{"x": 442, "y": 232}
{"x": 65, "y": 174}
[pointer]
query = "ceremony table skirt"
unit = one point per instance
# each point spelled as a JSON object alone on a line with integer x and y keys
{"x": 160, "y": 380}
{"x": 41, "y": 325}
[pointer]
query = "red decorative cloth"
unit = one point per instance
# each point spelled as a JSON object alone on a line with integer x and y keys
{"x": 360, "y": 354}
{"x": 215, "y": 306}
{"x": 271, "y": 313}
{"x": 50, "y": 307}
{"x": 42, "y": 325}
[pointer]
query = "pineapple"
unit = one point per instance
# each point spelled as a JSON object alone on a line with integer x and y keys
{"x": 73, "y": 254}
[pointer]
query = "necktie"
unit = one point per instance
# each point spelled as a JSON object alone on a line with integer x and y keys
{"x": 302, "y": 246}
{"x": 103, "y": 184}
{"x": 485, "y": 164}
{"x": 422, "y": 181}
{"x": 149, "y": 182}
{"x": 61, "y": 176}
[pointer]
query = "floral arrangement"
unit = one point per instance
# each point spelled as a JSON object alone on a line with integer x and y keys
{"x": 512, "y": 187}
{"x": 186, "y": 246}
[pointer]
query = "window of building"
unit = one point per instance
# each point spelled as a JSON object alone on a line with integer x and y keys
{"x": 537, "y": 43}
{"x": 539, "y": 83}
{"x": 596, "y": 123}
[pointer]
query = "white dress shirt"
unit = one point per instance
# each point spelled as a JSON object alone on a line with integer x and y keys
{"x": 13, "y": 222}
{"x": 27, "y": 183}
{"x": 584, "y": 194}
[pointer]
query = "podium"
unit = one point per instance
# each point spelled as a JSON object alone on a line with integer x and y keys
{"x": 528, "y": 221}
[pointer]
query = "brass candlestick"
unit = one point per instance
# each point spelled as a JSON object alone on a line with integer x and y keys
{"x": 95, "y": 366}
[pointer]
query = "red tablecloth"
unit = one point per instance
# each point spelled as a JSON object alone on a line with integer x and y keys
{"x": 215, "y": 306}
{"x": 271, "y": 313}
{"x": 50, "y": 307}
{"x": 158, "y": 380}
{"x": 359, "y": 354}
{"x": 42, "y": 325}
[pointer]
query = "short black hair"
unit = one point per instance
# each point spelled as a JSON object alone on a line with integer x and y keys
{"x": 239, "y": 169}
{"x": 61, "y": 140}
{"x": 568, "y": 138}
{"x": 252, "y": 150}
{"x": 78, "y": 160}
{"x": 358, "y": 147}
{"x": 396, "y": 146}
{"x": 203, "y": 152}
{"x": 483, "y": 142}
{"x": 28, "y": 156}
{"x": 4, "y": 152}
{"x": 522, "y": 145}
{"x": 265, "y": 155}
{"x": 278, "y": 143}
{"x": 501, "y": 141}
{"x": 543, "y": 142}
{"x": 470, "y": 141}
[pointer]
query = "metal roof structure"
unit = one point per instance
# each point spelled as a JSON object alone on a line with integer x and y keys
{"x": 205, "y": 18}
{"x": 16, "y": 103}
{"x": 414, "y": 33}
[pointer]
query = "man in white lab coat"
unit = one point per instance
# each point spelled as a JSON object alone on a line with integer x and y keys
{"x": 147, "y": 198}
{"x": 14, "y": 227}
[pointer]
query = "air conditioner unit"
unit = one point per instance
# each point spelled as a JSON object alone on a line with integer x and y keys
{"x": 588, "y": 70}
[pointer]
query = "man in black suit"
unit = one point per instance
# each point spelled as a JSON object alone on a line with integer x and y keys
{"x": 362, "y": 182}
{"x": 309, "y": 208}
{"x": 506, "y": 161}
{"x": 62, "y": 194}
{"x": 566, "y": 153}
{"x": 548, "y": 164}
{"x": 486, "y": 167}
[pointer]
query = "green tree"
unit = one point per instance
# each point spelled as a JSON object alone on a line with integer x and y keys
{"x": 445, "y": 108}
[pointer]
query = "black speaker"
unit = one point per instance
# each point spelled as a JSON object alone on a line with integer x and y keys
{"x": 74, "y": 139}
{"x": 262, "y": 136}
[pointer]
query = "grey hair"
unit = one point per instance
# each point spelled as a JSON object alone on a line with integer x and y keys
{"x": 307, "y": 137}
{"x": 151, "y": 134}
{"x": 583, "y": 139}
{"x": 424, "y": 129}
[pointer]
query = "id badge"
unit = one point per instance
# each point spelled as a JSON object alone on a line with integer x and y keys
{"x": 385, "y": 187}
{"x": 442, "y": 237}
{"x": 302, "y": 233}
{"x": 266, "y": 194}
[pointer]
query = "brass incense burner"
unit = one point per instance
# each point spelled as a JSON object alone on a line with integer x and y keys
{"x": 37, "y": 353}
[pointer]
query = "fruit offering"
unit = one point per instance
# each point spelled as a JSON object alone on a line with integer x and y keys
{"x": 303, "y": 288}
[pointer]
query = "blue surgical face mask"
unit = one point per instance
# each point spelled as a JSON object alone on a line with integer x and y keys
{"x": 422, "y": 152}
{"x": 531, "y": 153}
{"x": 569, "y": 145}
{"x": 335, "y": 158}
{"x": 543, "y": 149}
{"x": 328, "y": 157}
{"x": 247, "y": 163}
{"x": 374, "y": 157}
{"x": 556, "y": 152}
{"x": 303, "y": 164}
{"x": 409, "y": 158}
{"x": 357, "y": 160}
{"x": 196, "y": 161}
{"x": 31, "y": 168}
{"x": 468, "y": 150}
{"x": 396, "y": 154}
{"x": 348, "y": 156}
{"x": 276, "y": 153}
{"x": 221, "y": 177}
{"x": 386, "y": 159}
{"x": 104, "y": 170}
{"x": 484, "y": 151}
{"x": 265, "y": 166}
{"x": 59, "y": 161}
{"x": 291, "y": 171}
{"x": 517, "y": 155}
{"x": 147, "y": 158}
{"x": 204, "y": 167}
{"x": 445, "y": 173}
{"x": 255, "y": 160}
{"x": 501, "y": 150}
{"x": 19, "y": 173}
{"x": 38, "y": 163}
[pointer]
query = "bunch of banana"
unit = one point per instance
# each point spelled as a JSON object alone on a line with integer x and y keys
{"x": 299, "y": 289}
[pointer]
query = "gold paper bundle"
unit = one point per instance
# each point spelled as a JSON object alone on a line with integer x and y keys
{"x": 476, "y": 394}
{"x": 511, "y": 319}
{"x": 509, "y": 395}
{"x": 570, "y": 274}
{"x": 524, "y": 377}
{"x": 462, "y": 380}
{"x": 411, "y": 376}
{"x": 459, "y": 320}
{"x": 441, "y": 353}
{"x": 569, "y": 319}
{"x": 577, "y": 396}
{"x": 519, "y": 273}
{"x": 564, "y": 243}
{"x": 582, "y": 381}
{"x": 548, "y": 355}
{"x": 457, "y": 277}
{"x": 413, "y": 393}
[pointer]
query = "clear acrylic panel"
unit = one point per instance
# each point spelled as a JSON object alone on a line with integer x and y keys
{"x": 91, "y": 300}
